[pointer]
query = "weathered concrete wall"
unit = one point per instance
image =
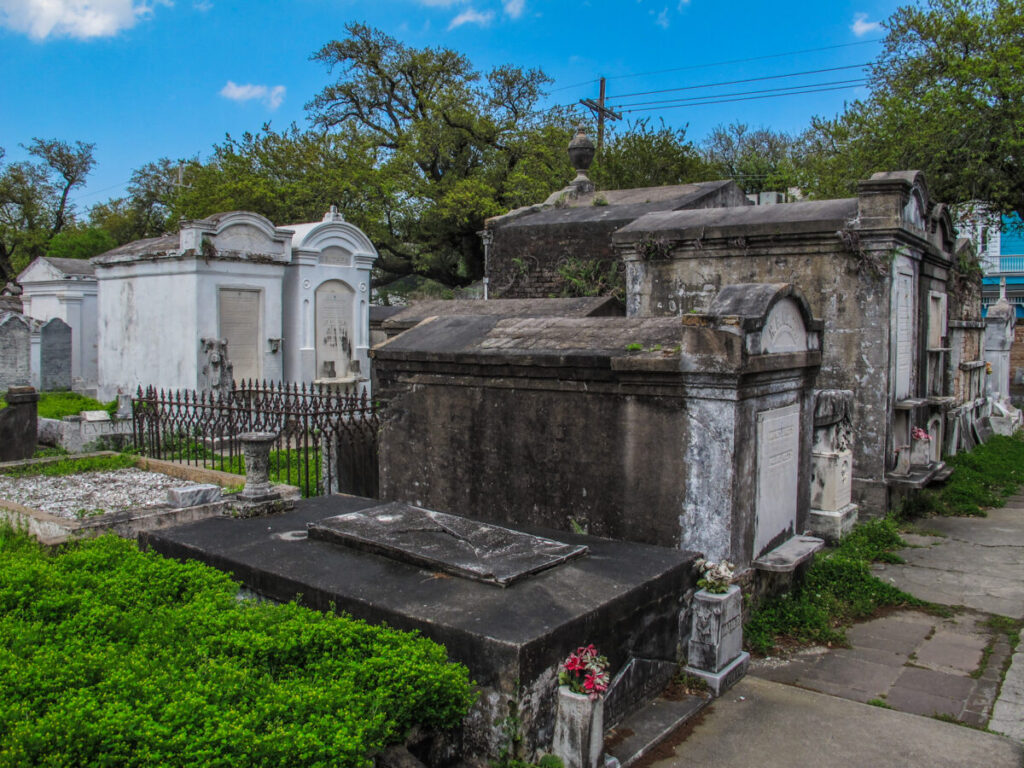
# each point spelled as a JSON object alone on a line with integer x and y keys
{"x": 530, "y": 247}
{"x": 607, "y": 460}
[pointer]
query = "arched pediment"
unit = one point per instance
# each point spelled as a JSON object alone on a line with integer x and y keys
{"x": 338, "y": 236}
{"x": 245, "y": 232}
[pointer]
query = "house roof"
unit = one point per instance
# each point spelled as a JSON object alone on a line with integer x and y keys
{"x": 82, "y": 267}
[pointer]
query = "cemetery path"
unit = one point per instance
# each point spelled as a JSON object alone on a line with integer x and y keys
{"x": 906, "y": 663}
{"x": 771, "y": 725}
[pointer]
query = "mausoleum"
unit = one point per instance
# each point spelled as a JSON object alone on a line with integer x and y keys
{"x": 232, "y": 296}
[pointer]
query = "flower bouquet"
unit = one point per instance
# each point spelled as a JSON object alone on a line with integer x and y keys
{"x": 585, "y": 672}
{"x": 715, "y": 577}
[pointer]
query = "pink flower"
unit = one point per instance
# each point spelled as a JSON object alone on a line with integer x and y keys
{"x": 574, "y": 663}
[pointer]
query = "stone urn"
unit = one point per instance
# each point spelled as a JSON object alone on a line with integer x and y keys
{"x": 581, "y": 151}
{"x": 256, "y": 447}
{"x": 579, "y": 729}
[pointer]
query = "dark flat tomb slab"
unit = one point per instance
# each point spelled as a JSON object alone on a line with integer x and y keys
{"x": 447, "y": 543}
{"x": 624, "y": 597}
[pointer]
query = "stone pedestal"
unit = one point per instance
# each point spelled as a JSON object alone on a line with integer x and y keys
{"x": 256, "y": 447}
{"x": 579, "y": 729}
{"x": 715, "y": 652}
{"x": 832, "y": 514}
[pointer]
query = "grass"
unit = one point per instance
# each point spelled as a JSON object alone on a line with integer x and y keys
{"x": 57, "y": 405}
{"x": 837, "y": 589}
{"x": 879, "y": 703}
{"x": 72, "y": 466}
{"x": 985, "y": 477}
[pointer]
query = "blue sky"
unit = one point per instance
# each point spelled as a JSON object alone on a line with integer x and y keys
{"x": 145, "y": 79}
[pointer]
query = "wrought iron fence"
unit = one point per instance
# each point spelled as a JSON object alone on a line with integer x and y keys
{"x": 327, "y": 440}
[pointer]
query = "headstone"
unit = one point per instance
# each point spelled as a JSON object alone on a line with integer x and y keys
{"x": 14, "y": 351}
{"x": 95, "y": 415}
{"x": 124, "y": 407}
{"x": 778, "y": 449}
{"x": 449, "y": 543}
{"x": 55, "y": 355}
{"x": 983, "y": 430}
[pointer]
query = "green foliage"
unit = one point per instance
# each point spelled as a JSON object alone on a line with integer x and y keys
{"x": 57, "y": 405}
{"x": 946, "y": 97}
{"x": 982, "y": 478}
{"x": 72, "y": 466}
{"x": 758, "y": 160}
{"x": 592, "y": 277}
{"x": 639, "y": 155}
{"x": 879, "y": 703}
{"x": 80, "y": 243}
{"x": 837, "y": 589}
{"x": 111, "y": 656}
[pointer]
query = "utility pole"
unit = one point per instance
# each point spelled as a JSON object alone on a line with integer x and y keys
{"x": 601, "y": 112}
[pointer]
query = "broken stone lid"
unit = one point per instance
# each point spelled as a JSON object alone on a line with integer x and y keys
{"x": 449, "y": 543}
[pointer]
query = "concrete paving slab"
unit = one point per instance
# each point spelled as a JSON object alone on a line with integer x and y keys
{"x": 1008, "y": 712}
{"x": 922, "y": 703}
{"x": 952, "y": 651}
{"x": 936, "y": 683}
{"x": 770, "y": 725}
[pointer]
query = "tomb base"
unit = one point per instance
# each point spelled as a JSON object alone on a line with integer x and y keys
{"x": 832, "y": 525}
{"x": 721, "y": 681}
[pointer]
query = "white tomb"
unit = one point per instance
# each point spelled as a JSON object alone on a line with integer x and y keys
{"x": 232, "y": 292}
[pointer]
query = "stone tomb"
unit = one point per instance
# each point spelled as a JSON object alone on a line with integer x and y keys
{"x": 690, "y": 432}
{"x": 626, "y": 598}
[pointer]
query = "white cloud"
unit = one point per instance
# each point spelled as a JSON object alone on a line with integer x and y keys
{"x": 271, "y": 96}
{"x": 81, "y": 19}
{"x": 471, "y": 16}
{"x": 202, "y": 6}
{"x": 662, "y": 19}
{"x": 861, "y": 26}
{"x": 682, "y": 4}
{"x": 514, "y": 8}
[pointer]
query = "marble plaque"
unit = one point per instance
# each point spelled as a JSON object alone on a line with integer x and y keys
{"x": 778, "y": 452}
{"x": 904, "y": 333}
{"x": 443, "y": 542}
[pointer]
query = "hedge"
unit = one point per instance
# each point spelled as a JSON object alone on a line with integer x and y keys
{"x": 114, "y": 657}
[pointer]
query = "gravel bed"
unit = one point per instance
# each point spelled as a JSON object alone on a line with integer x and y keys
{"x": 88, "y": 494}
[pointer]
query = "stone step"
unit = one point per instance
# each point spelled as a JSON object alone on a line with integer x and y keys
{"x": 649, "y": 726}
{"x": 788, "y": 555}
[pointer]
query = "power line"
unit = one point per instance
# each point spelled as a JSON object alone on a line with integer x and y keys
{"x": 745, "y": 80}
{"x": 577, "y": 85}
{"x": 744, "y": 61}
{"x": 745, "y": 98}
{"x": 852, "y": 82}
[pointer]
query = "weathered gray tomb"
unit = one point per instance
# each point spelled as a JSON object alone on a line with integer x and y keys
{"x": 690, "y": 432}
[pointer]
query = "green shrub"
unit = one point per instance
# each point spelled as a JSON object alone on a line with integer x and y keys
{"x": 114, "y": 657}
{"x": 837, "y": 589}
